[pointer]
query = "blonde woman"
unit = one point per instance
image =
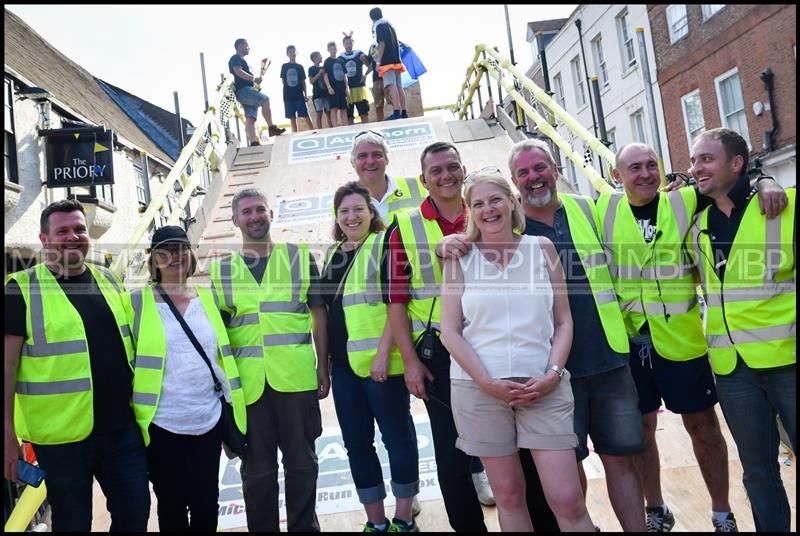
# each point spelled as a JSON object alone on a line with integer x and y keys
{"x": 507, "y": 324}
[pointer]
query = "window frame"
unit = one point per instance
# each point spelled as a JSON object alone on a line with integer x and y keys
{"x": 684, "y": 100}
{"x": 625, "y": 38}
{"x": 558, "y": 90}
{"x": 599, "y": 58}
{"x": 743, "y": 110}
{"x": 578, "y": 82}
{"x": 635, "y": 130}
{"x": 10, "y": 156}
{"x": 704, "y": 10}
{"x": 673, "y": 32}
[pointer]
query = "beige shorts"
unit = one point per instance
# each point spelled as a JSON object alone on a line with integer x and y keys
{"x": 377, "y": 92}
{"x": 487, "y": 426}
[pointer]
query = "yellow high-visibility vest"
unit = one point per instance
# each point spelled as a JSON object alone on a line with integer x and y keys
{"x": 753, "y": 312}
{"x": 654, "y": 282}
{"x": 54, "y": 397}
{"x": 364, "y": 310}
{"x": 270, "y": 325}
{"x": 151, "y": 352}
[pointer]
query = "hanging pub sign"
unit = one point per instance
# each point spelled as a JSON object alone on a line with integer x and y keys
{"x": 79, "y": 157}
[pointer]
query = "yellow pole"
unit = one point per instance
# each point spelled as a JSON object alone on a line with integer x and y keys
{"x": 30, "y": 501}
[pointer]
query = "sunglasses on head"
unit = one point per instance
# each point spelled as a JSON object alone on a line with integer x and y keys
{"x": 488, "y": 170}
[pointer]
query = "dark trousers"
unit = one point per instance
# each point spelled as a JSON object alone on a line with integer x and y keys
{"x": 452, "y": 465}
{"x": 290, "y": 422}
{"x": 117, "y": 460}
{"x": 184, "y": 470}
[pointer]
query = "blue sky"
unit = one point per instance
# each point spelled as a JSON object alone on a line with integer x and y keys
{"x": 152, "y": 51}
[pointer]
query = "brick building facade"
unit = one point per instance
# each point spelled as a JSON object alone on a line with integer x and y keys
{"x": 710, "y": 60}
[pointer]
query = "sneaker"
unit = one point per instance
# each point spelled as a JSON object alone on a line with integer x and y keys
{"x": 369, "y": 527}
{"x": 403, "y": 114}
{"x": 276, "y": 131}
{"x": 416, "y": 508}
{"x": 395, "y": 115}
{"x": 255, "y": 143}
{"x": 482, "y": 487}
{"x": 398, "y": 525}
{"x": 659, "y": 519}
{"x": 728, "y": 525}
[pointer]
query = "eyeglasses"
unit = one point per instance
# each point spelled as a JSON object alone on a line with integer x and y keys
{"x": 366, "y": 132}
{"x": 488, "y": 170}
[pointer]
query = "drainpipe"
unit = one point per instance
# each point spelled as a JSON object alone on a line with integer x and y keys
{"x": 586, "y": 76}
{"x": 651, "y": 101}
{"x": 768, "y": 77}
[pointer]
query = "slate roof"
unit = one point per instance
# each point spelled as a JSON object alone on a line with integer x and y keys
{"x": 29, "y": 55}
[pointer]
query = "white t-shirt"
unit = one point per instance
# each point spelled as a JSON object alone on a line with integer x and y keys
{"x": 382, "y": 206}
{"x": 508, "y": 314}
{"x": 188, "y": 403}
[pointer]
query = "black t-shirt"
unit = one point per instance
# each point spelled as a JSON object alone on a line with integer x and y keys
{"x": 235, "y": 60}
{"x": 646, "y": 218}
{"x": 335, "y": 69}
{"x": 354, "y": 67}
{"x": 112, "y": 378}
{"x": 319, "y": 89}
{"x": 294, "y": 81}
{"x": 257, "y": 267}
{"x": 590, "y": 353}
{"x": 332, "y": 294}
{"x": 391, "y": 50}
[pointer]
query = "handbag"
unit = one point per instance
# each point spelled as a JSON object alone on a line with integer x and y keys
{"x": 234, "y": 442}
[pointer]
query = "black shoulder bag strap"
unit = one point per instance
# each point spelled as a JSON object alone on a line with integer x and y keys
{"x": 187, "y": 329}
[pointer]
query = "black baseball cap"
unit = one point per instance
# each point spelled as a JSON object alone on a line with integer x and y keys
{"x": 169, "y": 234}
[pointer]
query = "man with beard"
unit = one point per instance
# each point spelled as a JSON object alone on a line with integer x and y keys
{"x": 270, "y": 301}
{"x": 68, "y": 380}
{"x": 605, "y": 395}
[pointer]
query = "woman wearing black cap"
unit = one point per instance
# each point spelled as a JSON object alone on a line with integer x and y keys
{"x": 176, "y": 397}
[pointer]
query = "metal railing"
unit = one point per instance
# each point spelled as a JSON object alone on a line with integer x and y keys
{"x": 488, "y": 60}
{"x": 196, "y": 162}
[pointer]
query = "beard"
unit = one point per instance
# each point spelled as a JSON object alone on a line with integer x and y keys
{"x": 540, "y": 201}
{"x": 264, "y": 232}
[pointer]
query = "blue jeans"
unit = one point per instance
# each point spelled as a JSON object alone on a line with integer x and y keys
{"x": 750, "y": 399}
{"x": 119, "y": 463}
{"x": 360, "y": 402}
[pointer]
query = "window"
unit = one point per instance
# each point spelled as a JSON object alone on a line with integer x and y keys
{"x": 676, "y": 21}
{"x": 577, "y": 77}
{"x": 10, "y": 145}
{"x": 637, "y": 126}
{"x": 142, "y": 186}
{"x": 626, "y": 40}
{"x": 693, "y": 116}
{"x": 709, "y": 10}
{"x": 611, "y": 136}
{"x": 600, "y": 60}
{"x": 558, "y": 90}
{"x": 540, "y": 42}
{"x": 731, "y": 103}
{"x": 571, "y": 175}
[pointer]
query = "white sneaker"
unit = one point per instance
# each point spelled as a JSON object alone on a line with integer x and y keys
{"x": 481, "y": 482}
{"x": 415, "y": 507}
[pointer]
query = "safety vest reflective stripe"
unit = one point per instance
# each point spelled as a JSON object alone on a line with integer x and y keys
{"x": 594, "y": 260}
{"x": 225, "y": 282}
{"x": 243, "y": 320}
{"x": 248, "y": 351}
{"x": 136, "y": 303}
{"x": 361, "y": 299}
{"x": 772, "y": 249}
{"x": 679, "y": 210}
{"x": 608, "y": 230}
{"x": 145, "y": 399}
{"x": 430, "y": 288}
{"x": 40, "y": 346}
{"x": 226, "y": 350}
{"x": 150, "y": 362}
{"x": 762, "y": 292}
{"x": 653, "y": 273}
{"x": 53, "y": 388}
{"x": 772, "y": 333}
{"x": 672, "y": 308}
{"x": 364, "y": 344}
{"x": 605, "y": 296}
{"x": 278, "y": 307}
{"x": 419, "y": 325}
{"x": 415, "y": 194}
{"x": 587, "y": 210}
{"x": 287, "y": 338}
{"x": 126, "y": 330}
{"x": 110, "y": 277}
{"x": 236, "y": 383}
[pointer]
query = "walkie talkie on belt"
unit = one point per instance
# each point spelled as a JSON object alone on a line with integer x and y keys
{"x": 426, "y": 342}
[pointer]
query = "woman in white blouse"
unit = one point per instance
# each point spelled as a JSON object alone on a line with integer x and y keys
{"x": 175, "y": 399}
{"x": 507, "y": 324}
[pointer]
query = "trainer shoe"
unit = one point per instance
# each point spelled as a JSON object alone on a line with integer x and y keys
{"x": 369, "y": 527}
{"x": 398, "y": 525}
{"x": 403, "y": 114}
{"x": 416, "y": 508}
{"x": 659, "y": 519}
{"x": 727, "y": 525}
{"x": 395, "y": 115}
{"x": 276, "y": 131}
{"x": 482, "y": 487}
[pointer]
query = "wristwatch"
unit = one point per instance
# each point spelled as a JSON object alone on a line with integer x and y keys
{"x": 558, "y": 370}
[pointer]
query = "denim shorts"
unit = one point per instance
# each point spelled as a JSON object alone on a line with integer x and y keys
{"x": 251, "y": 100}
{"x": 295, "y": 107}
{"x": 322, "y": 104}
{"x": 606, "y": 410}
{"x": 685, "y": 386}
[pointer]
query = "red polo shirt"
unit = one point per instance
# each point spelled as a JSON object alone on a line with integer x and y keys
{"x": 399, "y": 269}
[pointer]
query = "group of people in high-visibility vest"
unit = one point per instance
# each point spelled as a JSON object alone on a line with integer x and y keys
{"x": 527, "y": 321}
